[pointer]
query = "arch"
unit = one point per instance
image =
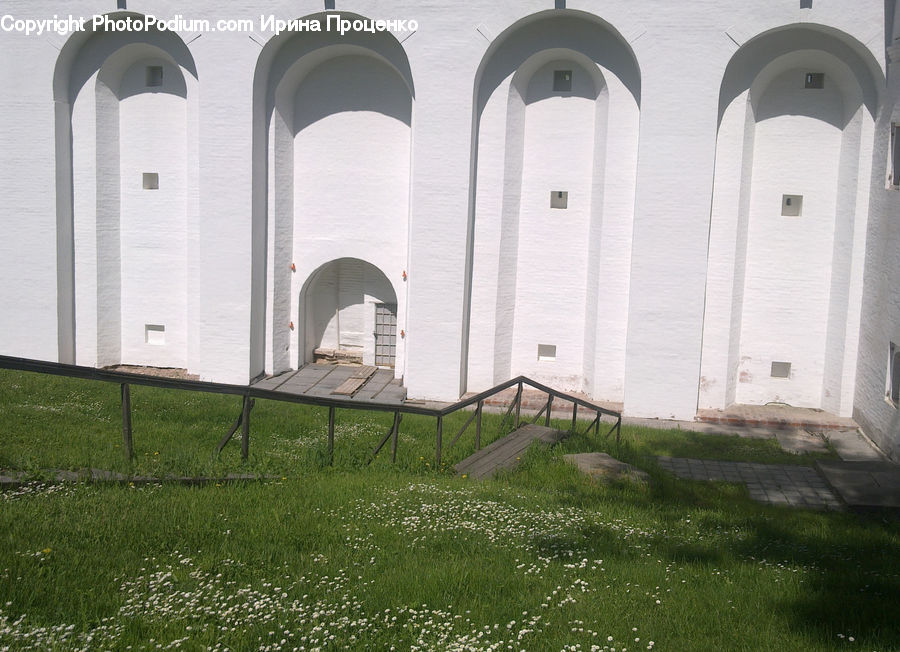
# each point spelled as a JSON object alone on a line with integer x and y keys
{"x": 573, "y": 30}
{"x": 331, "y": 172}
{"x": 337, "y": 311}
{"x": 785, "y": 287}
{"x": 111, "y": 125}
{"x": 584, "y": 139}
{"x": 746, "y": 65}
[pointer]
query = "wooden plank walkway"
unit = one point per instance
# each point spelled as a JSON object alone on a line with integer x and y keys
{"x": 356, "y": 380}
{"x": 322, "y": 380}
{"x": 505, "y": 453}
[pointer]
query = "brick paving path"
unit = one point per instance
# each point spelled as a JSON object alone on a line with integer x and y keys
{"x": 775, "y": 484}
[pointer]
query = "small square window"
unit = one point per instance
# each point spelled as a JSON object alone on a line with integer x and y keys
{"x": 151, "y": 180}
{"x": 546, "y": 352}
{"x": 154, "y": 75}
{"x": 814, "y": 80}
{"x": 155, "y": 334}
{"x": 792, "y": 205}
{"x": 893, "y": 380}
{"x": 781, "y": 370}
{"x": 562, "y": 81}
{"x": 559, "y": 199}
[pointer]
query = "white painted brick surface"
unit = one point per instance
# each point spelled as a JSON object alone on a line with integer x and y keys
{"x": 788, "y": 273}
{"x": 153, "y": 223}
{"x": 654, "y": 294}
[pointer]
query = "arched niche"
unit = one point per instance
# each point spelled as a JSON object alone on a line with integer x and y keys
{"x": 546, "y": 285}
{"x": 788, "y": 223}
{"x": 332, "y": 151}
{"x": 347, "y": 311}
{"x": 126, "y": 181}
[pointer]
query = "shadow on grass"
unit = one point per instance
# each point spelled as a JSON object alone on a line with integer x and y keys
{"x": 852, "y": 586}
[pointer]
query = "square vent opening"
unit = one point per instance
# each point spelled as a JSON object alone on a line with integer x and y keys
{"x": 781, "y": 370}
{"x": 814, "y": 80}
{"x": 893, "y": 388}
{"x": 155, "y": 334}
{"x": 792, "y": 205}
{"x": 562, "y": 81}
{"x": 154, "y": 75}
{"x": 546, "y": 352}
{"x": 894, "y": 175}
{"x": 559, "y": 199}
{"x": 151, "y": 180}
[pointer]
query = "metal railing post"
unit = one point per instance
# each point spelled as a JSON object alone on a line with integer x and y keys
{"x": 127, "y": 439}
{"x": 574, "y": 416}
{"x": 331, "y": 411}
{"x": 549, "y": 404}
{"x": 245, "y": 428}
{"x": 518, "y": 403}
{"x": 396, "y": 434}
{"x": 438, "y": 444}
{"x": 478, "y": 425}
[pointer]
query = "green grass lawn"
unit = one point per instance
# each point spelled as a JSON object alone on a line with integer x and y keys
{"x": 374, "y": 556}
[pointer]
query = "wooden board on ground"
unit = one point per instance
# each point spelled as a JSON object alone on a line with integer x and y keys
{"x": 506, "y": 453}
{"x": 357, "y": 379}
{"x": 364, "y": 371}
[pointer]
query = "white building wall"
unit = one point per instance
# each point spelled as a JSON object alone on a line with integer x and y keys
{"x": 665, "y": 309}
{"x": 104, "y": 221}
{"x": 789, "y": 259}
{"x": 84, "y": 184}
{"x": 878, "y": 416}
{"x": 558, "y": 156}
{"x": 790, "y": 277}
{"x": 153, "y": 223}
{"x": 28, "y": 322}
{"x": 129, "y": 245}
{"x": 727, "y": 254}
{"x": 655, "y": 228}
{"x": 856, "y": 279}
{"x": 358, "y": 110}
{"x": 496, "y": 164}
{"x": 446, "y": 42}
{"x": 577, "y": 302}
{"x": 612, "y": 256}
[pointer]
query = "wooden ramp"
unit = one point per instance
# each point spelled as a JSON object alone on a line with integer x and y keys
{"x": 353, "y": 383}
{"x": 505, "y": 453}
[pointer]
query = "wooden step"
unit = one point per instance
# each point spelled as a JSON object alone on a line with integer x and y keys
{"x": 506, "y": 453}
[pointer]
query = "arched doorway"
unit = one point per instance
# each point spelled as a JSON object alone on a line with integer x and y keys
{"x": 348, "y": 313}
{"x": 331, "y": 175}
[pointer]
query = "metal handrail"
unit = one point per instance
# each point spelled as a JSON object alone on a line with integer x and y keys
{"x": 521, "y": 381}
{"x": 249, "y": 392}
